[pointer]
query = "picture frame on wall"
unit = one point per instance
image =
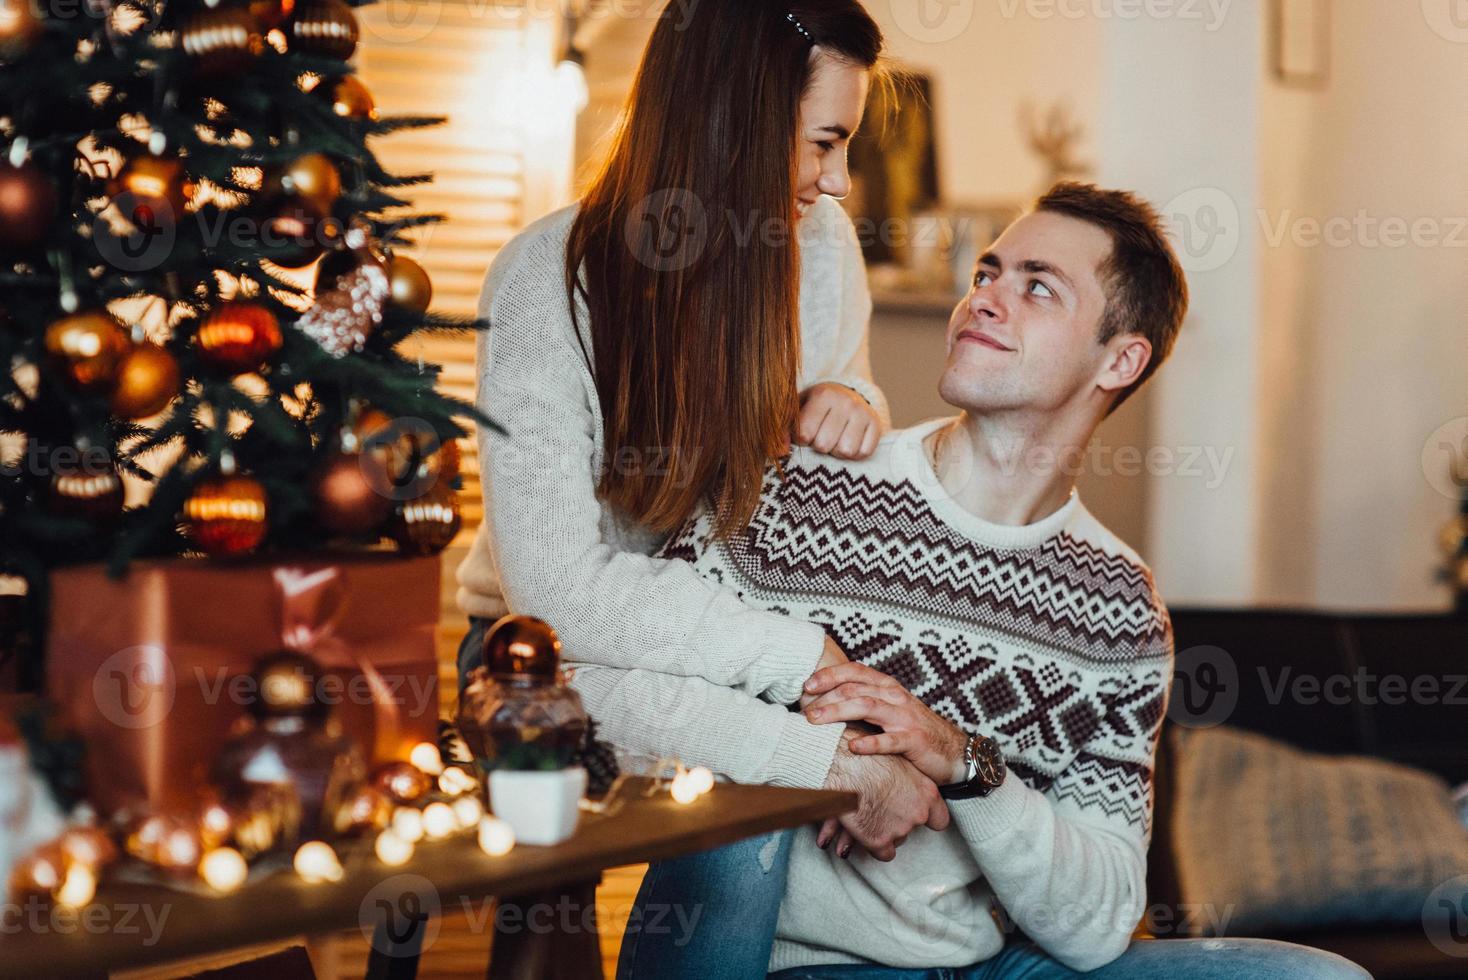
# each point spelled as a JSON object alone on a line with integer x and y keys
{"x": 1301, "y": 42}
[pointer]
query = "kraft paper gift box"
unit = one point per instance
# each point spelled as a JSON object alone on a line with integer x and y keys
{"x": 152, "y": 670}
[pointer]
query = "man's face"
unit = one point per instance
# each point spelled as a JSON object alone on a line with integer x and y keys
{"x": 1025, "y": 336}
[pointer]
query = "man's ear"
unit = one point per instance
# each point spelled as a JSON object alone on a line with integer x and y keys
{"x": 1127, "y": 356}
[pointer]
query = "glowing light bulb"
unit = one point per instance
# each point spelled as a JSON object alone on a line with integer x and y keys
{"x": 316, "y": 862}
{"x": 496, "y": 838}
{"x": 79, "y": 886}
{"x": 455, "y": 781}
{"x": 468, "y": 810}
{"x": 439, "y": 821}
{"x": 425, "y": 756}
{"x": 703, "y": 779}
{"x": 407, "y": 823}
{"x": 224, "y": 869}
{"x": 685, "y": 788}
{"x": 392, "y": 849}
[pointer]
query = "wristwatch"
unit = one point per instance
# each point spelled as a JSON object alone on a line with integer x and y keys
{"x": 985, "y": 770}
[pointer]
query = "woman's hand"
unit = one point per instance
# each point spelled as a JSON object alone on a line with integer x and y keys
{"x": 837, "y": 421}
{"x": 855, "y": 693}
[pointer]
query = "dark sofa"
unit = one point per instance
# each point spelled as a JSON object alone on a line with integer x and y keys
{"x": 1432, "y": 736}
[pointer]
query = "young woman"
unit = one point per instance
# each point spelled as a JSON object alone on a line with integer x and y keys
{"x": 655, "y": 347}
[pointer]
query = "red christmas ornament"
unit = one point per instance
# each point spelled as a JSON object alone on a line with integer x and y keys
{"x": 238, "y": 337}
{"x": 226, "y": 515}
{"x": 27, "y": 200}
{"x": 349, "y": 491}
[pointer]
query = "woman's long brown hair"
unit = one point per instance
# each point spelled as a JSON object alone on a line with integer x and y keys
{"x": 684, "y": 253}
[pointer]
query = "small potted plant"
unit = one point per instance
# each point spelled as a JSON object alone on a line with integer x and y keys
{"x": 526, "y": 729}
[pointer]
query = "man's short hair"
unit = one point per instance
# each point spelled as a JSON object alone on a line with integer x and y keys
{"x": 1146, "y": 290}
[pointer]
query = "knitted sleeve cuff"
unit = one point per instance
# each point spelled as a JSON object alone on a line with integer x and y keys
{"x": 982, "y": 819}
{"x": 804, "y": 754}
{"x": 791, "y": 649}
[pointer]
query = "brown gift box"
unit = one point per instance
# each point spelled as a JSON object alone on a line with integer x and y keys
{"x": 152, "y": 669}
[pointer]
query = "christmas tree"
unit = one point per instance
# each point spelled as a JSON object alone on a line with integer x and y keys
{"x": 202, "y": 292}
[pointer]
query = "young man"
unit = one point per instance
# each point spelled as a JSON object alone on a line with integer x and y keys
{"x": 1010, "y": 657}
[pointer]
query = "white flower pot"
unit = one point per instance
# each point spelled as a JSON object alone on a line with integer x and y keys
{"x": 541, "y": 807}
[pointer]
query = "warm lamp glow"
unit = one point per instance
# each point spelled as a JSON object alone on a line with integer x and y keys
{"x": 496, "y": 838}
{"x": 439, "y": 821}
{"x": 455, "y": 781}
{"x": 425, "y": 756}
{"x": 407, "y": 823}
{"x": 468, "y": 811}
{"x": 223, "y": 869}
{"x": 685, "y": 788}
{"x": 79, "y": 886}
{"x": 393, "y": 849}
{"x": 316, "y": 862}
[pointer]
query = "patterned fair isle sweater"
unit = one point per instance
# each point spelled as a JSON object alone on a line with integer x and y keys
{"x": 1049, "y": 637}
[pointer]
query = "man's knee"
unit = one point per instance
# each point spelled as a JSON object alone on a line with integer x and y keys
{"x": 1267, "y": 959}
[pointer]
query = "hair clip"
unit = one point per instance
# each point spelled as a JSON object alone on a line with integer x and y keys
{"x": 800, "y": 27}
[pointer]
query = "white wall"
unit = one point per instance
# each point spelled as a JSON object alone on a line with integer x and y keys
{"x": 1369, "y": 351}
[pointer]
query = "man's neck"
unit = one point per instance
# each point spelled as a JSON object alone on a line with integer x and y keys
{"x": 1004, "y": 469}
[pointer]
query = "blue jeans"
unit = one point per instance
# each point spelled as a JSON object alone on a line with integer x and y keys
{"x": 719, "y": 911}
{"x": 1151, "y": 959}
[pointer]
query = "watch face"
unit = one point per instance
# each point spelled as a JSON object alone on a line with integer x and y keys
{"x": 990, "y": 762}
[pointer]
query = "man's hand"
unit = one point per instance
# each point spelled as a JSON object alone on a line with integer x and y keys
{"x": 837, "y": 421}
{"x": 831, "y": 656}
{"x": 894, "y": 799}
{"x": 855, "y": 693}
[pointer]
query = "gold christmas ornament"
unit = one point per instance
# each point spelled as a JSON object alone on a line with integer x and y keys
{"x": 87, "y": 348}
{"x": 366, "y": 811}
{"x": 351, "y": 99}
{"x": 312, "y": 178}
{"x": 147, "y": 380}
{"x": 238, "y": 337}
{"x": 325, "y": 27}
{"x": 522, "y": 646}
{"x": 222, "y": 41}
{"x": 401, "y": 782}
{"x": 409, "y": 287}
{"x": 347, "y": 490}
{"x": 152, "y": 191}
{"x": 28, "y": 199}
{"x": 429, "y": 524}
{"x": 86, "y": 491}
{"x": 226, "y": 515}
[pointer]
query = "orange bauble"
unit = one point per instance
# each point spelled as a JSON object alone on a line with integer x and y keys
{"x": 226, "y": 515}
{"x": 87, "y": 347}
{"x": 147, "y": 380}
{"x": 408, "y": 284}
{"x": 239, "y": 337}
{"x": 153, "y": 190}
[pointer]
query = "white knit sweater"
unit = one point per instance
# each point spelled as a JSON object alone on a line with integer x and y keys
{"x": 1050, "y": 637}
{"x": 549, "y": 548}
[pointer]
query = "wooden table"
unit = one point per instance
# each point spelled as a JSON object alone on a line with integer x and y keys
{"x": 139, "y": 925}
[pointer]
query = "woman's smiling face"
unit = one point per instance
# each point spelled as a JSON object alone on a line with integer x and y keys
{"x": 830, "y": 112}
